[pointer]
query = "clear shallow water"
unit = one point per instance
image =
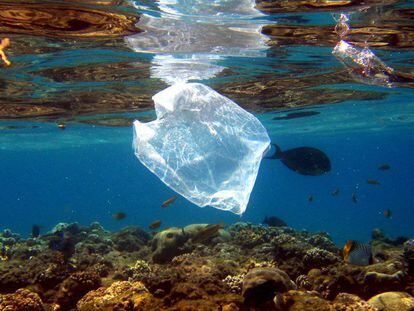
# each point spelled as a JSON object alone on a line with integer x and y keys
{"x": 87, "y": 172}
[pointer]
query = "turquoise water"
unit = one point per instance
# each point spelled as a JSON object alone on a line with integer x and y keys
{"x": 88, "y": 171}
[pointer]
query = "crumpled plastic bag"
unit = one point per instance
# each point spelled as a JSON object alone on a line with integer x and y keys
{"x": 203, "y": 146}
{"x": 363, "y": 65}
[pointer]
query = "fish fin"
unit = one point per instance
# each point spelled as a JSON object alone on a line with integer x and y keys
{"x": 278, "y": 152}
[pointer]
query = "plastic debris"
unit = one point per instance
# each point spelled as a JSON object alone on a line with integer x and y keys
{"x": 363, "y": 65}
{"x": 203, "y": 146}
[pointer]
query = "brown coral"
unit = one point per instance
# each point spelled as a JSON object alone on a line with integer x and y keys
{"x": 122, "y": 295}
{"x": 21, "y": 300}
{"x": 75, "y": 286}
{"x": 261, "y": 284}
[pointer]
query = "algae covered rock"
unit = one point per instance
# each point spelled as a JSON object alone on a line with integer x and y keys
{"x": 260, "y": 285}
{"x": 21, "y": 300}
{"x": 390, "y": 301}
{"x": 130, "y": 239}
{"x": 121, "y": 295}
{"x": 294, "y": 300}
{"x": 75, "y": 286}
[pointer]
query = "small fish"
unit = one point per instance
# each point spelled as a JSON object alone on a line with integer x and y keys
{"x": 310, "y": 198}
{"x": 168, "y": 202}
{"x": 354, "y": 198}
{"x": 154, "y": 225}
{"x": 61, "y": 242}
{"x": 35, "y": 231}
{"x": 373, "y": 182}
{"x": 358, "y": 253}
{"x": 62, "y": 126}
{"x": 294, "y": 115}
{"x": 17, "y": 127}
{"x": 387, "y": 213}
{"x": 384, "y": 167}
{"x": 273, "y": 221}
{"x": 303, "y": 160}
{"x": 207, "y": 232}
{"x": 335, "y": 192}
{"x": 118, "y": 216}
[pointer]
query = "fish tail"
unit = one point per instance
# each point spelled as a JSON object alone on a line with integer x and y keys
{"x": 277, "y": 154}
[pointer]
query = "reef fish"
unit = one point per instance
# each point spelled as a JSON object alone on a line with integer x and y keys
{"x": 119, "y": 215}
{"x": 358, "y": 253}
{"x": 294, "y": 115}
{"x": 373, "y": 182}
{"x": 154, "y": 225}
{"x": 303, "y": 160}
{"x": 387, "y": 213}
{"x": 354, "y": 198}
{"x": 384, "y": 167}
{"x": 335, "y": 192}
{"x": 273, "y": 221}
{"x": 35, "y": 231}
{"x": 310, "y": 198}
{"x": 168, "y": 202}
{"x": 206, "y": 233}
{"x": 61, "y": 242}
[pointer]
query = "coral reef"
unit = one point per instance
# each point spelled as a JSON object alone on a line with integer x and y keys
{"x": 392, "y": 301}
{"x": 121, "y": 295}
{"x": 242, "y": 266}
{"x": 261, "y": 284}
{"x": 21, "y": 300}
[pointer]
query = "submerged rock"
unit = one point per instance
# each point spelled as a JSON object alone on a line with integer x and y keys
{"x": 390, "y": 301}
{"x": 74, "y": 287}
{"x": 21, "y": 300}
{"x": 294, "y": 300}
{"x": 121, "y": 295}
{"x": 130, "y": 239}
{"x": 261, "y": 284}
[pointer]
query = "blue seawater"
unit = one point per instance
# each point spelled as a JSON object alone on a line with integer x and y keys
{"x": 87, "y": 172}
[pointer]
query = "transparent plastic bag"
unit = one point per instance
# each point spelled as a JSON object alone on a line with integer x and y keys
{"x": 203, "y": 146}
{"x": 363, "y": 65}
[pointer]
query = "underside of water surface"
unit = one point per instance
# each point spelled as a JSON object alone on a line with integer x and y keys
{"x": 86, "y": 226}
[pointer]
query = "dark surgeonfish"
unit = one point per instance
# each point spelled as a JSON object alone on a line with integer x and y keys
{"x": 35, "y": 231}
{"x": 358, "y": 253}
{"x": 354, "y": 198}
{"x": 384, "y": 167}
{"x": 295, "y": 115}
{"x": 303, "y": 160}
{"x": 273, "y": 221}
{"x": 373, "y": 182}
{"x": 335, "y": 192}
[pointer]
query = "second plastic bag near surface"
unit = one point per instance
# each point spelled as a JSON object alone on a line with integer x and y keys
{"x": 203, "y": 146}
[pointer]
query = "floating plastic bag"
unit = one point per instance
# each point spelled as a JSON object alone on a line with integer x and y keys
{"x": 363, "y": 65}
{"x": 203, "y": 146}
